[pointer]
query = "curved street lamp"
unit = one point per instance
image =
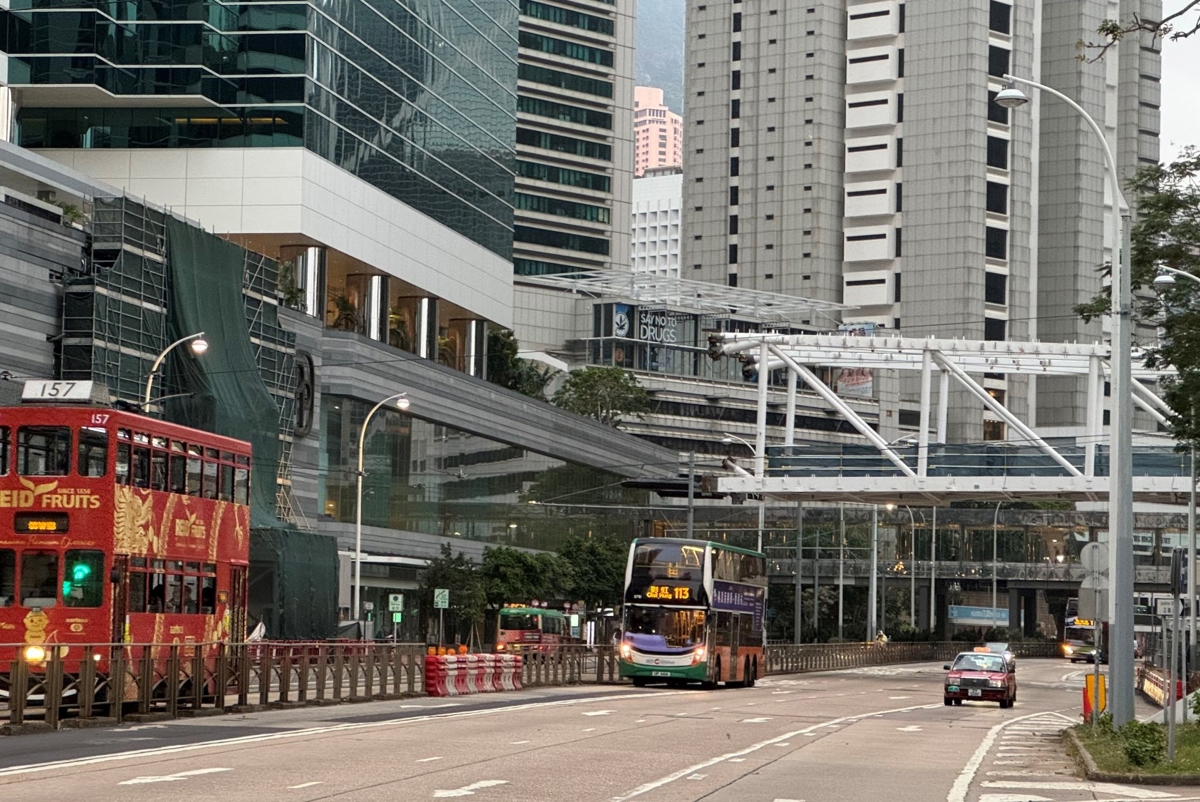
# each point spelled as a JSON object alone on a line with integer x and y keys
{"x": 729, "y": 439}
{"x": 1120, "y": 488}
{"x": 199, "y": 346}
{"x": 402, "y": 403}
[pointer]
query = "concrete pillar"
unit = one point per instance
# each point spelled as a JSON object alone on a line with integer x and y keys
{"x": 476, "y": 348}
{"x": 1014, "y": 608}
{"x": 426, "y": 344}
{"x": 308, "y": 275}
{"x": 370, "y": 293}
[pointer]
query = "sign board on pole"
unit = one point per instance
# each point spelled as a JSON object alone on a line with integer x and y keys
{"x": 368, "y": 606}
{"x": 397, "y": 618}
{"x": 1094, "y": 558}
{"x": 1087, "y": 605}
{"x": 396, "y": 602}
{"x": 441, "y": 598}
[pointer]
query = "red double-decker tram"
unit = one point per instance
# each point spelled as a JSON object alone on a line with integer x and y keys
{"x": 117, "y": 530}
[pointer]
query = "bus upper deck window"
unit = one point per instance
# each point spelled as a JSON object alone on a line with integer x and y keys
{"x": 43, "y": 450}
{"x": 93, "y": 451}
{"x": 39, "y": 579}
{"x": 8, "y": 577}
{"x": 4, "y": 435}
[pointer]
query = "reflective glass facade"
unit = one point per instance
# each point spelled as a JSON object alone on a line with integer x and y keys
{"x": 416, "y": 97}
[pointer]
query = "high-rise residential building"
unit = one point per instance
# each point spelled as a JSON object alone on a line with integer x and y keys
{"x": 657, "y": 216}
{"x": 574, "y": 136}
{"x": 657, "y": 131}
{"x": 850, "y": 151}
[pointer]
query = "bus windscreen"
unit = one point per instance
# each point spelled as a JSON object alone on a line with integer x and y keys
{"x": 665, "y": 628}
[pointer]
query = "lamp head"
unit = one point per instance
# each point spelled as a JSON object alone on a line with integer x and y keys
{"x": 402, "y": 403}
{"x": 1010, "y": 97}
{"x": 727, "y": 441}
{"x": 889, "y": 507}
{"x": 199, "y": 345}
{"x": 1164, "y": 280}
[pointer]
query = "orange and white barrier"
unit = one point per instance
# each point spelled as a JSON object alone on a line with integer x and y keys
{"x": 466, "y": 674}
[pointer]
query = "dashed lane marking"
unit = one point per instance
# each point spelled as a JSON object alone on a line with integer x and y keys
{"x": 469, "y": 790}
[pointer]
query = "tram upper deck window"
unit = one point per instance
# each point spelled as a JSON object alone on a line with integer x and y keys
{"x": 43, "y": 450}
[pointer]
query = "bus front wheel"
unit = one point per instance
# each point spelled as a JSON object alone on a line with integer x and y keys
{"x": 639, "y": 682}
{"x": 715, "y": 678}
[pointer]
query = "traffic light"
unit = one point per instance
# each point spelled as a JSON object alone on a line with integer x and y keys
{"x": 77, "y": 574}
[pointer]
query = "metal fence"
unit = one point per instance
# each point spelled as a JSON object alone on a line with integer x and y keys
{"x": 173, "y": 680}
{"x": 170, "y": 680}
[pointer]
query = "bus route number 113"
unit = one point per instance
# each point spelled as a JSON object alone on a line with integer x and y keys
{"x": 668, "y": 594}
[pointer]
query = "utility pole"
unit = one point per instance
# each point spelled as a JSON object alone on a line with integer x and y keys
{"x": 841, "y": 566}
{"x": 799, "y": 605}
{"x": 691, "y": 510}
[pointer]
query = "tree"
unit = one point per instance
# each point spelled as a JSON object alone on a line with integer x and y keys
{"x": 597, "y": 569}
{"x": 603, "y": 393}
{"x": 457, "y": 574}
{"x": 1167, "y": 232}
{"x": 510, "y": 575}
{"x": 507, "y": 369}
{"x": 1180, "y": 24}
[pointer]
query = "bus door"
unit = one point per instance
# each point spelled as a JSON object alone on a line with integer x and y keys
{"x": 734, "y": 633}
{"x": 237, "y": 603}
{"x": 120, "y": 598}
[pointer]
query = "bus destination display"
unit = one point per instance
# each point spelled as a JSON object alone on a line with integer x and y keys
{"x": 40, "y": 523}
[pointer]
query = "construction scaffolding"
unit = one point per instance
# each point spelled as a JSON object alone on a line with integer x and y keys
{"x": 115, "y": 305}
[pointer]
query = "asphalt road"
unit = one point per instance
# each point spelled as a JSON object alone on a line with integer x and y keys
{"x": 879, "y": 733}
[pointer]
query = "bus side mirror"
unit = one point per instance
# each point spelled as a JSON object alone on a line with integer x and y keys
{"x": 946, "y": 667}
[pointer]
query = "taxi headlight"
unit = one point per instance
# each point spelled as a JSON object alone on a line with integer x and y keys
{"x": 34, "y": 654}
{"x": 996, "y": 683}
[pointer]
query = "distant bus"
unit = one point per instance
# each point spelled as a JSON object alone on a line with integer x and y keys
{"x": 694, "y": 612}
{"x": 525, "y": 628}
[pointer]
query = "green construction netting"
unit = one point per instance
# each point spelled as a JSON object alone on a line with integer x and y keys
{"x": 293, "y": 584}
{"x": 229, "y": 394}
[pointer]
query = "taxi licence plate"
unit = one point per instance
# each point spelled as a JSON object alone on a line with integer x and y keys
{"x": 660, "y": 673}
{"x": 974, "y": 692}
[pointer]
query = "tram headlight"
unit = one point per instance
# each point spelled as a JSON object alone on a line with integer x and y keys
{"x": 34, "y": 654}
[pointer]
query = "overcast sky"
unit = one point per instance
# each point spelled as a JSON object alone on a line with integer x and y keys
{"x": 1180, "y": 91}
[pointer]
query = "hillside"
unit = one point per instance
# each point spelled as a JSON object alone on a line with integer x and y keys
{"x": 659, "y": 59}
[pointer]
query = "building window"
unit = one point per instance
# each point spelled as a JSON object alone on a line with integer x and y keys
{"x": 737, "y": 21}
{"x": 996, "y": 112}
{"x": 899, "y": 197}
{"x": 1000, "y": 17}
{"x": 733, "y": 166}
{"x": 896, "y": 288}
{"x": 993, "y": 329}
{"x": 732, "y": 280}
{"x": 735, "y": 109}
{"x": 996, "y": 243}
{"x": 997, "y": 198}
{"x": 900, "y": 63}
{"x": 737, "y": 51}
{"x": 733, "y": 224}
{"x": 733, "y": 254}
{"x": 995, "y": 288}
{"x": 994, "y": 429}
{"x": 900, "y": 107}
{"x": 735, "y": 80}
{"x": 997, "y": 61}
{"x": 899, "y": 239}
{"x": 733, "y": 196}
{"x": 901, "y": 18}
{"x": 770, "y": 247}
{"x": 997, "y": 152}
{"x": 735, "y": 137}
{"x": 899, "y": 152}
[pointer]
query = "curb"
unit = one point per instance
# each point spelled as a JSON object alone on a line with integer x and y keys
{"x": 1092, "y": 773}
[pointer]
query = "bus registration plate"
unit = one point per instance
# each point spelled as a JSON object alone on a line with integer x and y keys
{"x": 660, "y": 673}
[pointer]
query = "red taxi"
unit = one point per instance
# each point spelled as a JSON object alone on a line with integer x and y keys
{"x": 983, "y": 676}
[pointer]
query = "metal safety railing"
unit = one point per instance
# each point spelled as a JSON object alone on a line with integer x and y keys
{"x": 174, "y": 680}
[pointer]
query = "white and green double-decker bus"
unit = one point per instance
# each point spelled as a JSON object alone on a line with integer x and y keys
{"x": 694, "y": 612}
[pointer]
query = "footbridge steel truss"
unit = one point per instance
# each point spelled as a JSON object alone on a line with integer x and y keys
{"x": 931, "y": 471}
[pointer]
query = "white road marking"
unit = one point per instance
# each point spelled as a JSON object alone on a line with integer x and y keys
{"x": 431, "y": 759}
{"x": 34, "y": 768}
{"x": 469, "y": 790}
{"x": 640, "y": 721}
{"x": 170, "y": 778}
{"x": 598, "y": 713}
{"x": 788, "y": 800}
{"x": 1013, "y": 798}
{"x": 518, "y": 743}
{"x": 785, "y": 743}
{"x": 909, "y": 728}
{"x": 590, "y": 729}
{"x": 303, "y": 785}
{"x": 895, "y": 698}
{"x": 755, "y": 720}
{"x": 697, "y": 776}
{"x": 145, "y": 727}
{"x": 1106, "y": 788}
{"x": 737, "y": 760}
{"x": 670, "y": 778}
{"x": 962, "y": 784}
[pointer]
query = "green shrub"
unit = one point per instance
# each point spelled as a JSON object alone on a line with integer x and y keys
{"x": 1144, "y": 743}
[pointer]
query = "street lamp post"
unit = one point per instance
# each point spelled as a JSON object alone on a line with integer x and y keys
{"x": 402, "y": 404}
{"x": 995, "y": 561}
{"x": 727, "y": 440}
{"x": 1120, "y": 489}
{"x": 1166, "y": 278}
{"x": 912, "y": 575}
{"x": 199, "y": 346}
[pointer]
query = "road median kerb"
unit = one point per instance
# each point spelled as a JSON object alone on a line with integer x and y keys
{"x": 1092, "y": 772}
